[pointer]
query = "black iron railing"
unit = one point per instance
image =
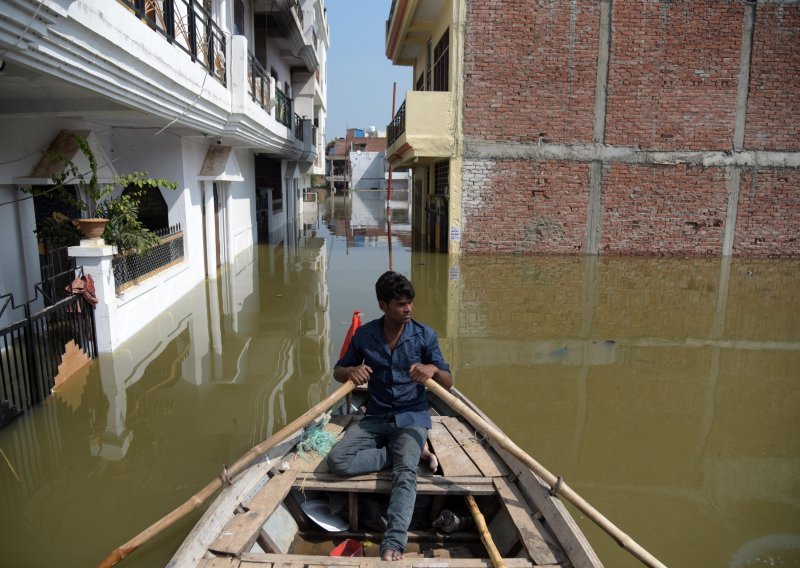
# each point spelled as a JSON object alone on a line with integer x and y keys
{"x": 397, "y": 126}
{"x": 187, "y": 24}
{"x": 32, "y": 348}
{"x": 257, "y": 82}
{"x": 298, "y": 127}
{"x": 132, "y": 268}
{"x": 57, "y": 273}
{"x": 283, "y": 108}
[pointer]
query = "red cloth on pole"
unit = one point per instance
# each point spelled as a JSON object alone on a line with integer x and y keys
{"x": 353, "y": 326}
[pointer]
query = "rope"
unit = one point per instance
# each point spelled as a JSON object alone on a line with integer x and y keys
{"x": 317, "y": 439}
{"x": 226, "y": 480}
{"x": 557, "y": 486}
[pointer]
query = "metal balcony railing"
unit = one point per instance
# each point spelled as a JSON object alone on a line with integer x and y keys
{"x": 283, "y": 108}
{"x": 257, "y": 82}
{"x": 397, "y": 126}
{"x": 187, "y": 24}
{"x": 298, "y": 127}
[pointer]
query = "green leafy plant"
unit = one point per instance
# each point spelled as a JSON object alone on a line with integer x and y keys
{"x": 93, "y": 199}
{"x": 124, "y": 229}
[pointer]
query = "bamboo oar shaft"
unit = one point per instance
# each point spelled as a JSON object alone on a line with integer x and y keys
{"x": 486, "y": 536}
{"x": 564, "y": 490}
{"x": 201, "y": 496}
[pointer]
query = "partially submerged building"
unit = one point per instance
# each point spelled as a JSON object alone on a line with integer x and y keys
{"x": 227, "y": 98}
{"x": 600, "y": 127}
{"x": 358, "y": 161}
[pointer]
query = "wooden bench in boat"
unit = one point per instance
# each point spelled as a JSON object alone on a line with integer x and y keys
{"x": 469, "y": 468}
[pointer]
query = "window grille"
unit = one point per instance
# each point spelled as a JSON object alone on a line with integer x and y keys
{"x": 441, "y": 177}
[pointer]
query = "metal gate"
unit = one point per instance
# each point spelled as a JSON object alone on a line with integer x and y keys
{"x": 31, "y": 348}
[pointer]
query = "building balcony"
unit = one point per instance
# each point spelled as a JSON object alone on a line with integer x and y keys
{"x": 295, "y": 36}
{"x": 422, "y": 129}
{"x": 409, "y": 27}
{"x": 144, "y": 63}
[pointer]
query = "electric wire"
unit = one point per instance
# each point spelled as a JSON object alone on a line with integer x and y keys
{"x": 122, "y": 155}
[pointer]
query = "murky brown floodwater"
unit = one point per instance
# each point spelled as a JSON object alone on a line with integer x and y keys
{"x": 666, "y": 392}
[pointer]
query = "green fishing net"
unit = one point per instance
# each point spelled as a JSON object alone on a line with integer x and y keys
{"x": 316, "y": 439}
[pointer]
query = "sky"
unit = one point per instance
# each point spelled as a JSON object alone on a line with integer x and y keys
{"x": 360, "y": 77}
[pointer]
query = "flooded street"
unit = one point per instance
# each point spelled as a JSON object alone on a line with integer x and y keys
{"x": 665, "y": 391}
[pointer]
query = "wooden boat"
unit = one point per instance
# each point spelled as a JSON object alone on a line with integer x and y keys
{"x": 259, "y": 520}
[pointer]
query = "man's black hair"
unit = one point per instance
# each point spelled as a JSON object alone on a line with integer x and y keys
{"x": 391, "y": 285}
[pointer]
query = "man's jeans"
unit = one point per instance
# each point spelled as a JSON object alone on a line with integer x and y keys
{"x": 375, "y": 444}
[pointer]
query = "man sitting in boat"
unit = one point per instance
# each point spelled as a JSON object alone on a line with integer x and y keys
{"x": 393, "y": 356}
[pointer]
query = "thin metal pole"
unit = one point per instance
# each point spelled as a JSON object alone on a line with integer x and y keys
{"x": 389, "y": 186}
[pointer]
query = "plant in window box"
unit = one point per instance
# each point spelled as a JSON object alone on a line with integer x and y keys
{"x": 112, "y": 218}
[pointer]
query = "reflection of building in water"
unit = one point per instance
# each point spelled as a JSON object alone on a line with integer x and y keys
{"x": 675, "y": 353}
{"x": 361, "y": 217}
{"x": 260, "y": 328}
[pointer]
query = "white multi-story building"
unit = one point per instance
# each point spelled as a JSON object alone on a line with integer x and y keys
{"x": 225, "y": 97}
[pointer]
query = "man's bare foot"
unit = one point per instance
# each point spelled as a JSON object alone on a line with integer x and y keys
{"x": 390, "y": 554}
{"x": 433, "y": 462}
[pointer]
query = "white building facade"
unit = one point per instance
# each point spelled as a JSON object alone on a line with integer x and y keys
{"x": 228, "y": 98}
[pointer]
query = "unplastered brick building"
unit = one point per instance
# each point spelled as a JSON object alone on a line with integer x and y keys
{"x": 601, "y": 126}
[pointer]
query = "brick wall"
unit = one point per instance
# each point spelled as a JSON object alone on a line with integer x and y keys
{"x": 768, "y": 216}
{"x": 673, "y": 74}
{"x": 525, "y": 207}
{"x": 671, "y": 108}
{"x": 530, "y": 69}
{"x": 669, "y": 209}
{"x": 773, "y": 104}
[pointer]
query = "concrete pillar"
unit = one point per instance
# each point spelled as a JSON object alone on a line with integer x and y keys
{"x": 95, "y": 256}
{"x": 238, "y": 74}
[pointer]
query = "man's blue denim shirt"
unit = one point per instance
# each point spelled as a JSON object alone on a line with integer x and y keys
{"x": 392, "y": 392}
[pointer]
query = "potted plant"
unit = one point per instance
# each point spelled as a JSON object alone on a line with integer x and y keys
{"x": 115, "y": 219}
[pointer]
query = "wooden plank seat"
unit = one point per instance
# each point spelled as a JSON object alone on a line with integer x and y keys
{"x": 459, "y": 435}
{"x": 408, "y": 562}
{"x": 381, "y": 482}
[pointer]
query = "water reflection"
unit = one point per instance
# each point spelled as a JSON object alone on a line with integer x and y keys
{"x": 664, "y": 390}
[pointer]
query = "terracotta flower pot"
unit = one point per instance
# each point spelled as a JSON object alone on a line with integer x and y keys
{"x": 92, "y": 228}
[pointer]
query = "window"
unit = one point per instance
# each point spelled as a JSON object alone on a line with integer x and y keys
{"x": 153, "y": 211}
{"x": 441, "y": 177}
{"x": 441, "y": 63}
{"x": 238, "y": 17}
{"x": 268, "y": 177}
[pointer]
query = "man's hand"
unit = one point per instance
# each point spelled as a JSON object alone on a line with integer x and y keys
{"x": 420, "y": 373}
{"x": 359, "y": 375}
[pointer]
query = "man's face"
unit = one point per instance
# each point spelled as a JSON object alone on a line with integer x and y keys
{"x": 398, "y": 309}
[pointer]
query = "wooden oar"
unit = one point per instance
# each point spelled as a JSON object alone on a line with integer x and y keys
{"x": 201, "y": 496}
{"x": 557, "y": 484}
{"x": 483, "y": 531}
